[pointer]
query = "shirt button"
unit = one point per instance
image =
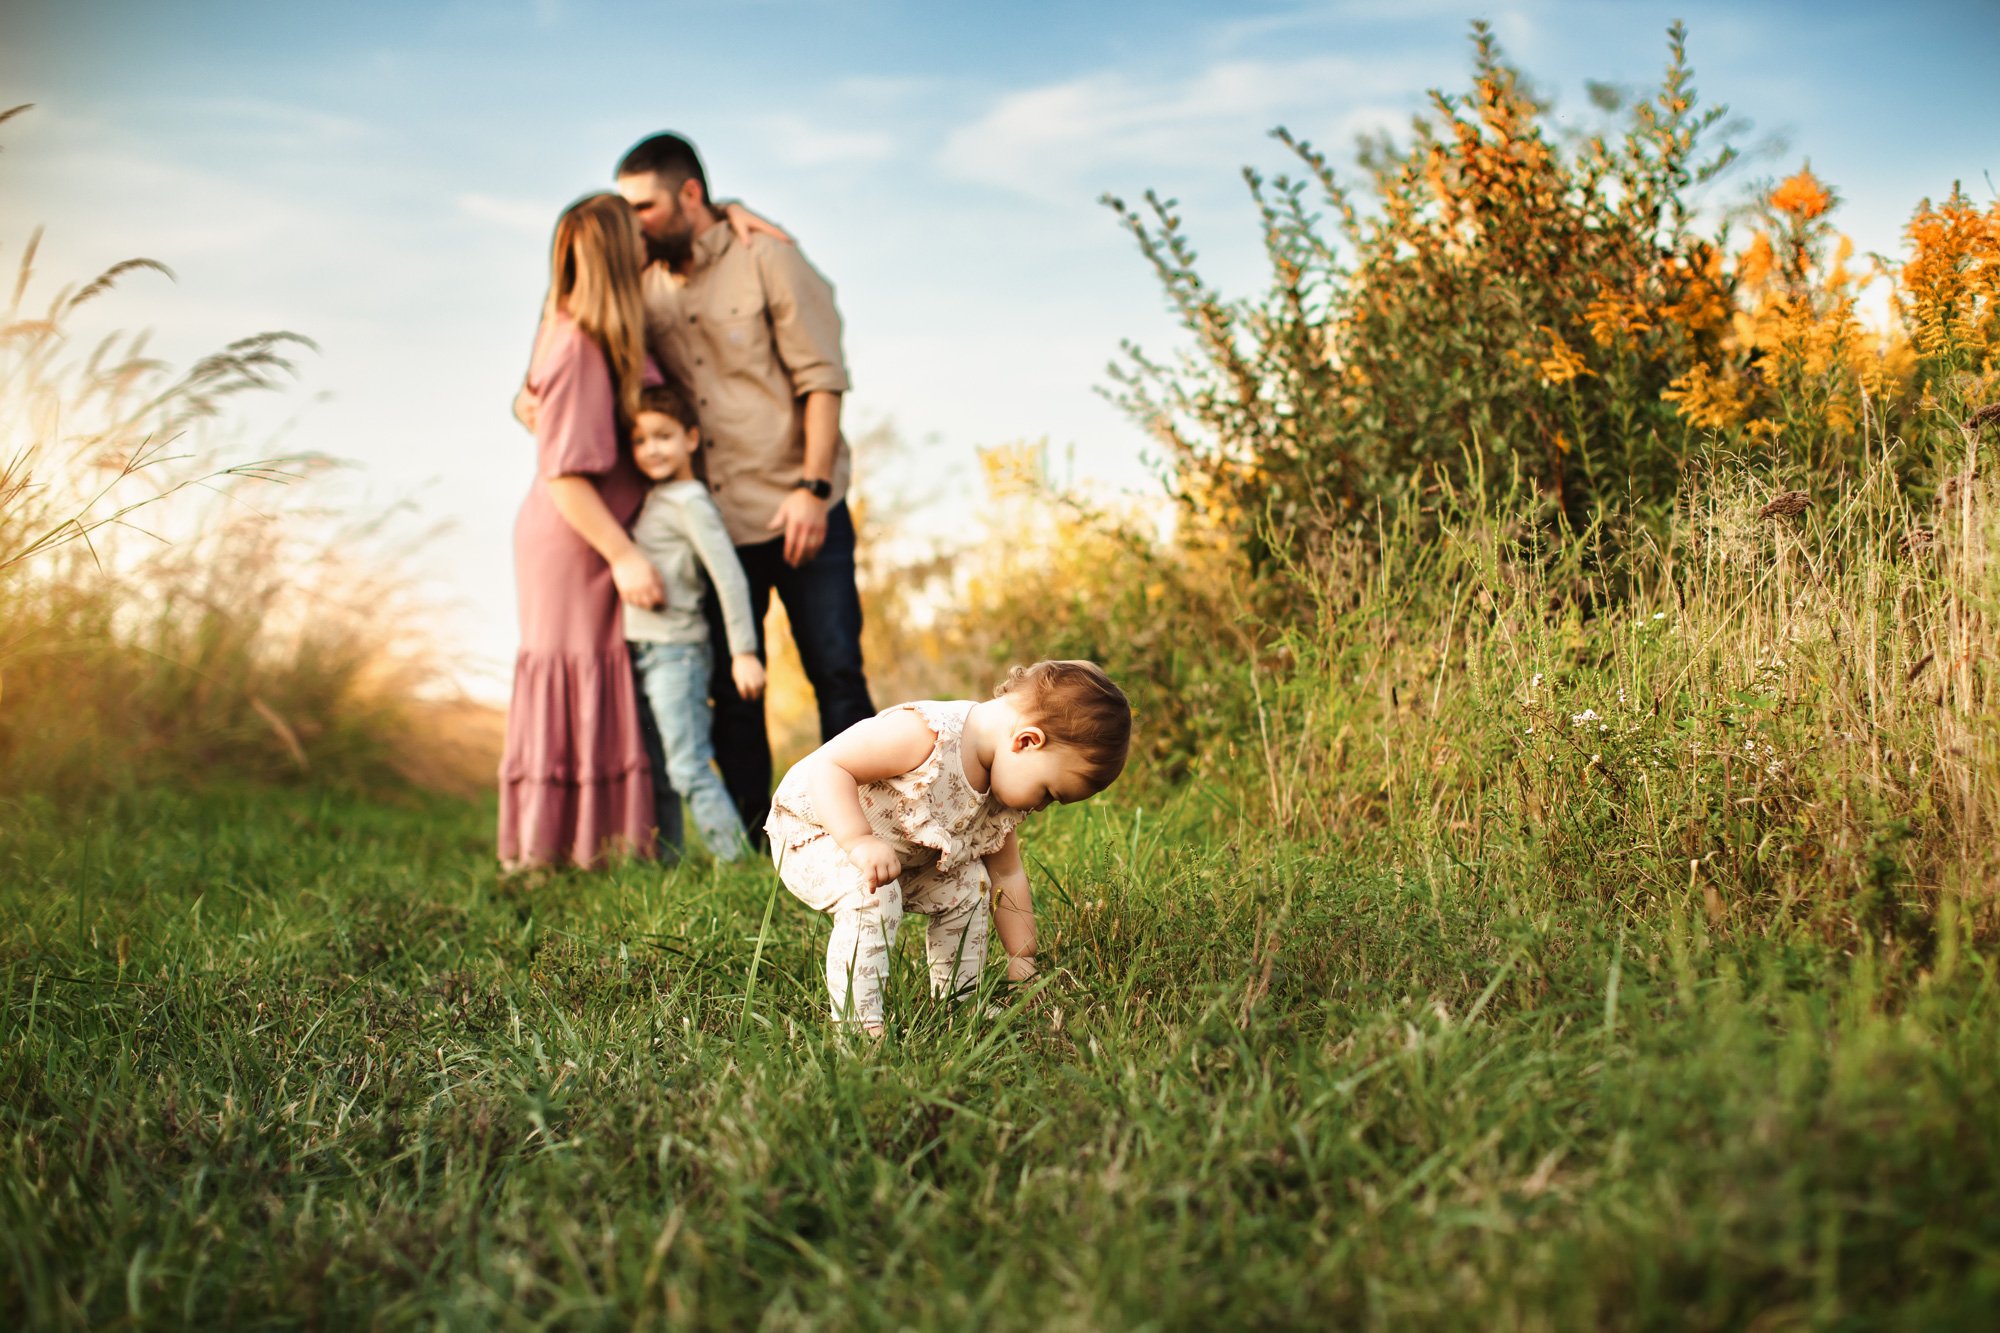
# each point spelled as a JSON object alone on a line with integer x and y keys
{"x": 693, "y": 318}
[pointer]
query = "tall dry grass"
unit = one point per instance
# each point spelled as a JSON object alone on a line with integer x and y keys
{"x": 167, "y": 614}
{"x": 1772, "y": 708}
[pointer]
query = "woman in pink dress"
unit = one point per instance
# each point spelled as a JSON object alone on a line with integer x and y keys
{"x": 575, "y": 782}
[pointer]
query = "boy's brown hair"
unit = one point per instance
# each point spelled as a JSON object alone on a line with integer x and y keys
{"x": 1078, "y": 706}
{"x": 669, "y": 400}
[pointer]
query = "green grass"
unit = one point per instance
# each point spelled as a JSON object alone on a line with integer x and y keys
{"x": 300, "y": 1060}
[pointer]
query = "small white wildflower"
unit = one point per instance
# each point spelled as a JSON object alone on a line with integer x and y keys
{"x": 1587, "y": 715}
{"x": 1659, "y": 615}
{"x": 1536, "y": 683}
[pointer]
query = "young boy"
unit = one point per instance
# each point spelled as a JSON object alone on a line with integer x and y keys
{"x": 681, "y": 532}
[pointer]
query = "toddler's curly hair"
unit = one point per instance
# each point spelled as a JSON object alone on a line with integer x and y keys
{"x": 1078, "y": 706}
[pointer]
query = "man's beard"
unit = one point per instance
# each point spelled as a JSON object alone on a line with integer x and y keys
{"x": 672, "y": 251}
{"x": 677, "y": 246}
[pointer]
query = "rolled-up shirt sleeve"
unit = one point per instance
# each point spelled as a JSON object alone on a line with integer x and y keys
{"x": 576, "y": 428}
{"x": 805, "y": 323}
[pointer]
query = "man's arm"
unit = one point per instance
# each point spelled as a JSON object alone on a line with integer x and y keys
{"x": 801, "y": 515}
{"x": 805, "y": 333}
{"x": 1013, "y": 907}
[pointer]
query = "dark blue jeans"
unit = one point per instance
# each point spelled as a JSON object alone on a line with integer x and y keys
{"x": 825, "y": 612}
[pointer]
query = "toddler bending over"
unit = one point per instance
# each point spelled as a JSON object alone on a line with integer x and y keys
{"x": 917, "y": 809}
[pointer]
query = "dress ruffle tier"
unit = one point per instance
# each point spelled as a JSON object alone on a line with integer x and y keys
{"x": 575, "y": 785}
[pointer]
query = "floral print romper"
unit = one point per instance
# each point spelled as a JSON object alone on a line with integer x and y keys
{"x": 940, "y": 829}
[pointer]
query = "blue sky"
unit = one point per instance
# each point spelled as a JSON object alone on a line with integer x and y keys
{"x": 382, "y": 177}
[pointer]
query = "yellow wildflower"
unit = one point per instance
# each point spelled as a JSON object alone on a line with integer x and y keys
{"x": 1802, "y": 196}
{"x": 1703, "y": 300}
{"x": 1705, "y": 400}
{"x": 1013, "y": 470}
{"x": 1951, "y": 284}
{"x": 1754, "y": 264}
{"x": 1614, "y": 316}
{"x": 1837, "y": 276}
{"x": 1562, "y": 363}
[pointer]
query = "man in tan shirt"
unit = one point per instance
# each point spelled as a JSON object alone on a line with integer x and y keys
{"x": 750, "y": 328}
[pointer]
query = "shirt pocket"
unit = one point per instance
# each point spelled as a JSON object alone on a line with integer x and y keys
{"x": 741, "y": 342}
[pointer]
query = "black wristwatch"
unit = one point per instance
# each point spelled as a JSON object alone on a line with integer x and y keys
{"x": 822, "y": 490}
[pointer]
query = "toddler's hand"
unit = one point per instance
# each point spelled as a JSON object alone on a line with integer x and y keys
{"x": 876, "y": 861}
{"x": 748, "y": 673}
{"x": 1020, "y": 969}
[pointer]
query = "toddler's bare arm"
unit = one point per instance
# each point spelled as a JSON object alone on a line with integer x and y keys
{"x": 881, "y": 747}
{"x": 1013, "y": 907}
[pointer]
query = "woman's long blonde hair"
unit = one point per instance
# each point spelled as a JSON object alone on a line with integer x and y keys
{"x": 595, "y": 264}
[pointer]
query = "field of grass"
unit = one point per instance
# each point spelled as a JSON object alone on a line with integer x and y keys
{"x": 1554, "y": 887}
{"x": 298, "y": 1059}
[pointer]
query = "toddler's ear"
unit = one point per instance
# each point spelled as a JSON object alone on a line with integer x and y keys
{"x": 1030, "y": 738}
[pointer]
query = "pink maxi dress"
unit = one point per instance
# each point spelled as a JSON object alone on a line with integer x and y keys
{"x": 575, "y": 783}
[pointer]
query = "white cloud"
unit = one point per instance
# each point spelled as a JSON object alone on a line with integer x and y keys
{"x": 281, "y": 124}
{"x": 1063, "y": 141}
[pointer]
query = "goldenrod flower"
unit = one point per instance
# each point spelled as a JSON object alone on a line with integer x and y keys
{"x": 1705, "y": 400}
{"x": 1802, "y": 196}
{"x": 1562, "y": 363}
{"x": 1754, "y": 264}
{"x": 1703, "y": 303}
{"x": 1614, "y": 316}
{"x": 1951, "y": 284}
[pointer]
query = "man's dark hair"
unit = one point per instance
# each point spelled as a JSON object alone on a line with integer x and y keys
{"x": 667, "y": 156}
{"x": 669, "y": 400}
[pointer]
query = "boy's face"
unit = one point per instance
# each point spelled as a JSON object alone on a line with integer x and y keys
{"x": 663, "y": 448}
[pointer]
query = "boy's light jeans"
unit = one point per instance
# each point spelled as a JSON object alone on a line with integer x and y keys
{"x": 675, "y": 678}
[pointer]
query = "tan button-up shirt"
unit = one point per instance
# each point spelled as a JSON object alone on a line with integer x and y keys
{"x": 750, "y": 331}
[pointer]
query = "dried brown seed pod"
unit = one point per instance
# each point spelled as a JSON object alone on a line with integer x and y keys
{"x": 1788, "y": 504}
